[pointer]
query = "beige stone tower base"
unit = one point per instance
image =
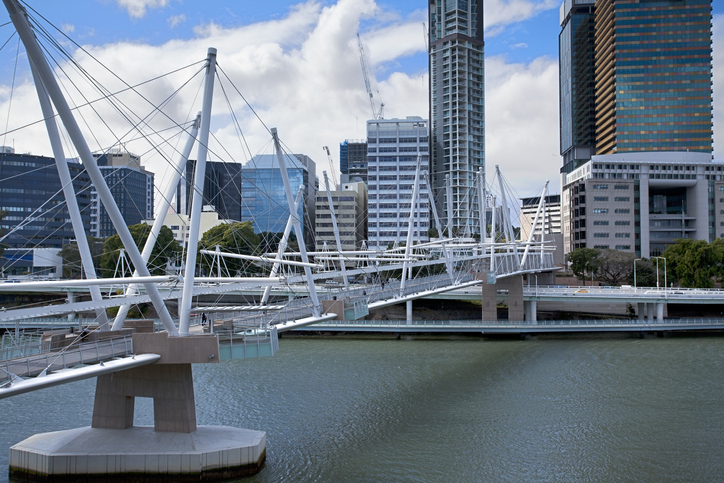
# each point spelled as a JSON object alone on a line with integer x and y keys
{"x": 175, "y": 449}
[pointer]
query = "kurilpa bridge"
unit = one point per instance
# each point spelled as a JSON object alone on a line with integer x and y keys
{"x": 131, "y": 359}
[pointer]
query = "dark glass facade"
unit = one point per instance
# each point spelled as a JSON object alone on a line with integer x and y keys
{"x": 264, "y": 200}
{"x": 30, "y": 193}
{"x": 577, "y": 83}
{"x": 222, "y": 189}
{"x": 353, "y": 159}
{"x": 132, "y": 190}
{"x": 653, "y": 76}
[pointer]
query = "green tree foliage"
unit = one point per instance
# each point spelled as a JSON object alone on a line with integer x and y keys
{"x": 71, "y": 256}
{"x": 614, "y": 267}
{"x": 695, "y": 263}
{"x": 645, "y": 274}
{"x": 166, "y": 248}
{"x": 583, "y": 261}
{"x": 233, "y": 238}
{"x": 269, "y": 242}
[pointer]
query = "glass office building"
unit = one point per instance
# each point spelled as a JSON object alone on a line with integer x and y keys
{"x": 132, "y": 189}
{"x": 353, "y": 159}
{"x": 222, "y": 189}
{"x": 653, "y": 76}
{"x": 577, "y": 83}
{"x": 264, "y": 201}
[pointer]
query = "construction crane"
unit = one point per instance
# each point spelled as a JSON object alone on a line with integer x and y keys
{"x": 426, "y": 35}
{"x": 331, "y": 167}
{"x": 375, "y": 113}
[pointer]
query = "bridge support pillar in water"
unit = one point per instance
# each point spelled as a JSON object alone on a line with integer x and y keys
{"x": 514, "y": 287}
{"x": 531, "y": 310}
{"x": 174, "y": 449}
{"x": 640, "y": 309}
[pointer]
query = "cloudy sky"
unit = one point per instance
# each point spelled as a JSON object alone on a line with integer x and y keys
{"x": 297, "y": 65}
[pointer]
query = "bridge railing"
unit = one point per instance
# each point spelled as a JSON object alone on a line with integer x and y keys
{"x": 82, "y": 353}
{"x": 302, "y": 307}
{"x": 474, "y": 324}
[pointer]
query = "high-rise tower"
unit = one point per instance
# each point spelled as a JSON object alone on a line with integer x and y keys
{"x": 577, "y": 83}
{"x": 653, "y": 76}
{"x": 457, "y": 115}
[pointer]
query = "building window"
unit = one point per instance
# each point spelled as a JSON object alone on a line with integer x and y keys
{"x": 600, "y": 235}
{"x": 622, "y": 198}
{"x": 600, "y": 198}
{"x": 601, "y": 210}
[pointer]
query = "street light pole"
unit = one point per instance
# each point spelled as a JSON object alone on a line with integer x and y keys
{"x": 635, "y": 270}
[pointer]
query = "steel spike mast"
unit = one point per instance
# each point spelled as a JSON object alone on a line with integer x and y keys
{"x": 282, "y": 246}
{"x": 296, "y": 223}
{"x": 160, "y": 217}
{"x": 198, "y": 199}
{"x": 19, "y": 18}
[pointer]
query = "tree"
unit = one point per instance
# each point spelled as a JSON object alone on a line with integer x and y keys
{"x": 70, "y": 254}
{"x": 645, "y": 274}
{"x": 696, "y": 263}
{"x": 166, "y": 248}
{"x": 614, "y": 266}
{"x": 269, "y": 242}
{"x": 583, "y": 260}
{"x": 233, "y": 238}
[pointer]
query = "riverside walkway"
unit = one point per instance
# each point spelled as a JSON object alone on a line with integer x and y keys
{"x": 516, "y": 327}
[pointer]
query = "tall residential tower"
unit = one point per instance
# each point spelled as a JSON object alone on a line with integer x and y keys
{"x": 457, "y": 114}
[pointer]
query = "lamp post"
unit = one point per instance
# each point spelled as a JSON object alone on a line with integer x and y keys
{"x": 635, "y": 270}
{"x": 657, "y": 272}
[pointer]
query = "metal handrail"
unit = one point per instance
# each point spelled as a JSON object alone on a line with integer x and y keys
{"x": 60, "y": 359}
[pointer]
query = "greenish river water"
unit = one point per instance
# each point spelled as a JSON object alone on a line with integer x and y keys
{"x": 465, "y": 410}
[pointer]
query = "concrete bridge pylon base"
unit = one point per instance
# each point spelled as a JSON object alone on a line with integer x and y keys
{"x": 175, "y": 449}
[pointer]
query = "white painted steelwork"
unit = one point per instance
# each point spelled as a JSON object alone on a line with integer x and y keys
{"x": 76, "y": 374}
{"x": 197, "y": 200}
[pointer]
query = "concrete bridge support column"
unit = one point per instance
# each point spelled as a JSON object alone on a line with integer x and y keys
{"x": 174, "y": 449}
{"x": 408, "y": 306}
{"x": 640, "y": 309}
{"x": 515, "y": 296}
{"x": 533, "y": 310}
{"x": 660, "y": 311}
{"x": 490, "y": 301}
{"x": 650, "y": 312}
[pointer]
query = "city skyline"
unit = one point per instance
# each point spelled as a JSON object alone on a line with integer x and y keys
{"x": 299, "y": 68}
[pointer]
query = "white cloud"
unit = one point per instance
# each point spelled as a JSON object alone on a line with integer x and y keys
{"x": 68, "y": 28}
{"x": 301, "y": 73}
{"x": 718, "y": 67}
{"x": 137, "y": 8}
{"x": 521, "y": 118}
{"x": 500, "y": 13}
{"x": 521, "y": 45}
{"x": 176, "y": 20}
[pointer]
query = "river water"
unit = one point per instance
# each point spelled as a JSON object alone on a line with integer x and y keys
{"x": 465, "y": 410}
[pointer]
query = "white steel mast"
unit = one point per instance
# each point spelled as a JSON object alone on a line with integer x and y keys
{"x": 35, "y": 55}
{"x": 198, "y": 199}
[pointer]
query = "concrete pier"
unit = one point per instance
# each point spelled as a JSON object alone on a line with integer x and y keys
{"x": 175, "y": 449}
{"x": 138, "y": 454}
